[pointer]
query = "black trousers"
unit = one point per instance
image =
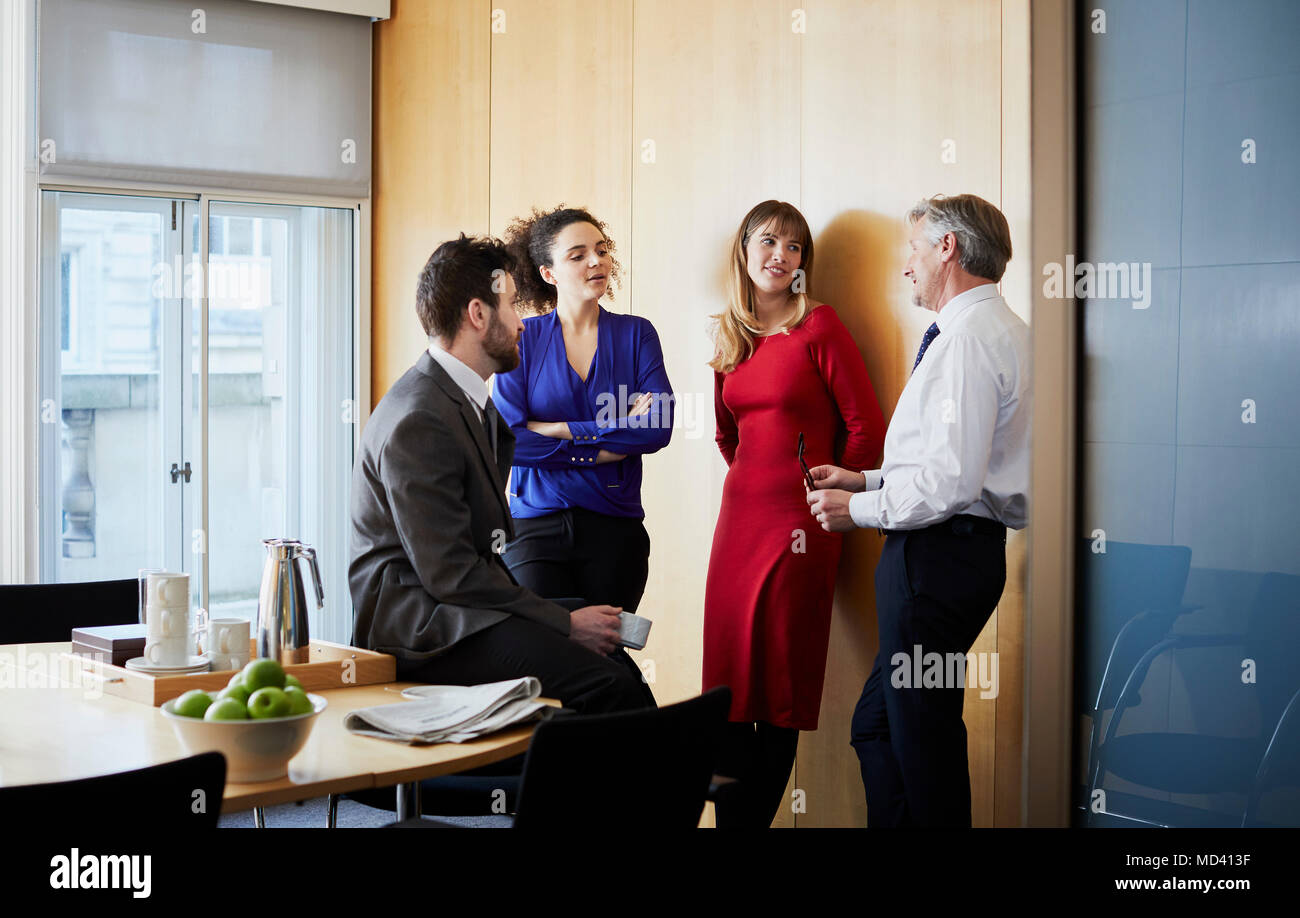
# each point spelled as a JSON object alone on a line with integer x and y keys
{"x": 936, "y": 588}
{"x": 603, "y": 559}
{"x": 760, "y": 757}
{"x": 580, "y": 554}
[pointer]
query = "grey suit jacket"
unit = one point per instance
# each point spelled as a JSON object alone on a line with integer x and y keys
{"x": 428, "y": 507}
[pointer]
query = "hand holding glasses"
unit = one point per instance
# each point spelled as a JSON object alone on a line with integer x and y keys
{"x": 807, "y": 475}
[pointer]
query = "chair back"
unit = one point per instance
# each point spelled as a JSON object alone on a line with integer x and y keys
{"x": 38, "y": 613}
{"x": 1272, "y": 637}
{"x": 646, "y": 769}
{"x": 1116, "y": 588}
{"x": 185, "y": 794}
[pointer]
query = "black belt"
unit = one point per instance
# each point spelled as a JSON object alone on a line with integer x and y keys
{"x": 961, "y": 524}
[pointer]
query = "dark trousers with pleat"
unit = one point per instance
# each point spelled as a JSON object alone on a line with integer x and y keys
{"x": 935, "y": 590}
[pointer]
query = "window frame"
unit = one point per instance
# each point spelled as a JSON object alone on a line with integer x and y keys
{"x": 33, "y": 561}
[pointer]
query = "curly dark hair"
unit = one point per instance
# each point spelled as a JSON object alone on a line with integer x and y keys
{"x": 457, "y": 272}
{"x": 530, "y": 240}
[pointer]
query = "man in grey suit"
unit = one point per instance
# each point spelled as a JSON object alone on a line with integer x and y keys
{"x": 430, "y": 518}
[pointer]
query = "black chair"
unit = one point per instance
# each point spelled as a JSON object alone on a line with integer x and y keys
{"x": 42, "y": 612}
{"x": 1132, "y": 594}
{"x": 647, "y": 769}
{"x": 1280, "y": 766}
{"x": 1201, "y": 763}
{"x": 158, "y": 797}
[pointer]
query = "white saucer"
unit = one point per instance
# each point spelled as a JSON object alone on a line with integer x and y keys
{"x": 197, "y": 664}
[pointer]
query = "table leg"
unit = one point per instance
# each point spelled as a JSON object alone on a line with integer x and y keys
{"x": 332, "y": 814}
{"x": 408, "y": 801}
{"x": 259, "y": 817}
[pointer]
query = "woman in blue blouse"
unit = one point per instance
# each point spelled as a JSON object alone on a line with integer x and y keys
{"x": 590, "y": 397}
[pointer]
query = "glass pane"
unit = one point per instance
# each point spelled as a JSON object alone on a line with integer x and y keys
{"x": 1189, "y": 565}
{"x": 280, "y": 430}
{"x": 107, "y": 441}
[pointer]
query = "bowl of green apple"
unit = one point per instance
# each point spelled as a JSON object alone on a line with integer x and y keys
{"x": 259, "y": 721}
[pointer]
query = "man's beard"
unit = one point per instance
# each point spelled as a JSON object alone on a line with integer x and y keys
{"x": 499, "y": 346}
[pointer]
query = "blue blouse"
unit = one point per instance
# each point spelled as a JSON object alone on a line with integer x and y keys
{"x": 551, "y": 474}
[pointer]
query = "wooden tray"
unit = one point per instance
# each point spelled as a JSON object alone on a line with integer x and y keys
{"x": 332, "y": 666}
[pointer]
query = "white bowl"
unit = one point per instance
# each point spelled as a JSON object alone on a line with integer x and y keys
{"x": 255, "y": 750}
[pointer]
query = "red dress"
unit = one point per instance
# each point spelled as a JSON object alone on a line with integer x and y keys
{"x": 767, "y": 602}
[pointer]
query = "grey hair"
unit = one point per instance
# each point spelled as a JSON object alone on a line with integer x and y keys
{"x": 983, "y": 237}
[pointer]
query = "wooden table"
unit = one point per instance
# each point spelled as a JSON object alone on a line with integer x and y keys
{"x": 61, "y": 732}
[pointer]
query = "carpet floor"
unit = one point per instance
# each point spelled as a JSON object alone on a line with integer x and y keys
{"x": 310, "y": 814}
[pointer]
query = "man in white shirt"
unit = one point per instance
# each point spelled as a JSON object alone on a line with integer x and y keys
{"x": 955, "y": 475}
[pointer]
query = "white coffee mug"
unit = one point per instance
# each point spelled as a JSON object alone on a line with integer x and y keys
{"x": 228, "y": 661}
{"x": 168, "y": 651}
{"x": 168, "y": 589}
{"x": 227, "y": 637}
{"x": 634, "y": 630}
{"x": 166, "y": 622}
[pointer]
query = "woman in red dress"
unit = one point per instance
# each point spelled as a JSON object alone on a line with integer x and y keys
{"x": 784, "y": 366}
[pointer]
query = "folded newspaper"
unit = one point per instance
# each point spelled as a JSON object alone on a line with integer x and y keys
{"x": 451, "y": 713}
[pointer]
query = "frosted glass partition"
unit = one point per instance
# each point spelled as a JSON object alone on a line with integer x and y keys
{"x": 1188, "y": 688}
{"x": 223, "y": 94}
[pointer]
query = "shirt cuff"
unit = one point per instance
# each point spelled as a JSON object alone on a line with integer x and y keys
{"x": 875, "y": 479}
{"x": 585, "y": 433}
{"x": 864, "y": 508}
{"x": 581, "y": 452}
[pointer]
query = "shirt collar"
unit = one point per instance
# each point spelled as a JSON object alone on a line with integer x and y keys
{"x": 469, "y": 381}
{"x": 963, "y": 301}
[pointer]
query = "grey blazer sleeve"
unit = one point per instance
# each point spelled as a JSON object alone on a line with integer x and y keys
{"x": 422, "y": 470}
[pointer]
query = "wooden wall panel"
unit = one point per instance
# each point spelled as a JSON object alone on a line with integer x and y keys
{"x": 717, "y": 110}
{"x": 1017, "y": 289}
{"x": 562, "y": 115}
{"x": 887, "y": 84}
{"x": 431, "y": 93}
{"x": 670, "y": 119}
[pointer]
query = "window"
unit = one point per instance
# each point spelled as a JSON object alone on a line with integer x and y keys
{"x": 133, "y": 445}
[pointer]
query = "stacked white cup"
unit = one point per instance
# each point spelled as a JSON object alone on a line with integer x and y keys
{"x": 228, "y": 642}
{"x": 167, "y": 620}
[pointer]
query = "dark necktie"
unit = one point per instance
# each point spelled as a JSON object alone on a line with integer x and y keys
{"x": 930, "y": 334}
{"x": 490, "y": 422}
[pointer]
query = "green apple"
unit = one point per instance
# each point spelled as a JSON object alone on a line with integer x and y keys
{"x": 261, "y": 673}
{"x": 268, "y": 702}
{"x": 226, "y": 709}
{"x": 235, "y": 690}
{"x": 236, "y": 679}
{"x": 299, "y": 703}
{"x": 193, "y": 703}
{"x": 291, "y": 680}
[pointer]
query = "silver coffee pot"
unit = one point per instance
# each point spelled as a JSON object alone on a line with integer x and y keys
{"x": 282, "y": 632}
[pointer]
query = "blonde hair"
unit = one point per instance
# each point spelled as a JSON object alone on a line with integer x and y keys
{"x": 736, "y": 326}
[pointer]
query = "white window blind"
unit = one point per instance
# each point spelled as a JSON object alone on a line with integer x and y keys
{"x": 204, "y": 93}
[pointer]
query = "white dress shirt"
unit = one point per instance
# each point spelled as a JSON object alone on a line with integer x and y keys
{"x": 469, "y": 381}
{"x": 958, "y": 441}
